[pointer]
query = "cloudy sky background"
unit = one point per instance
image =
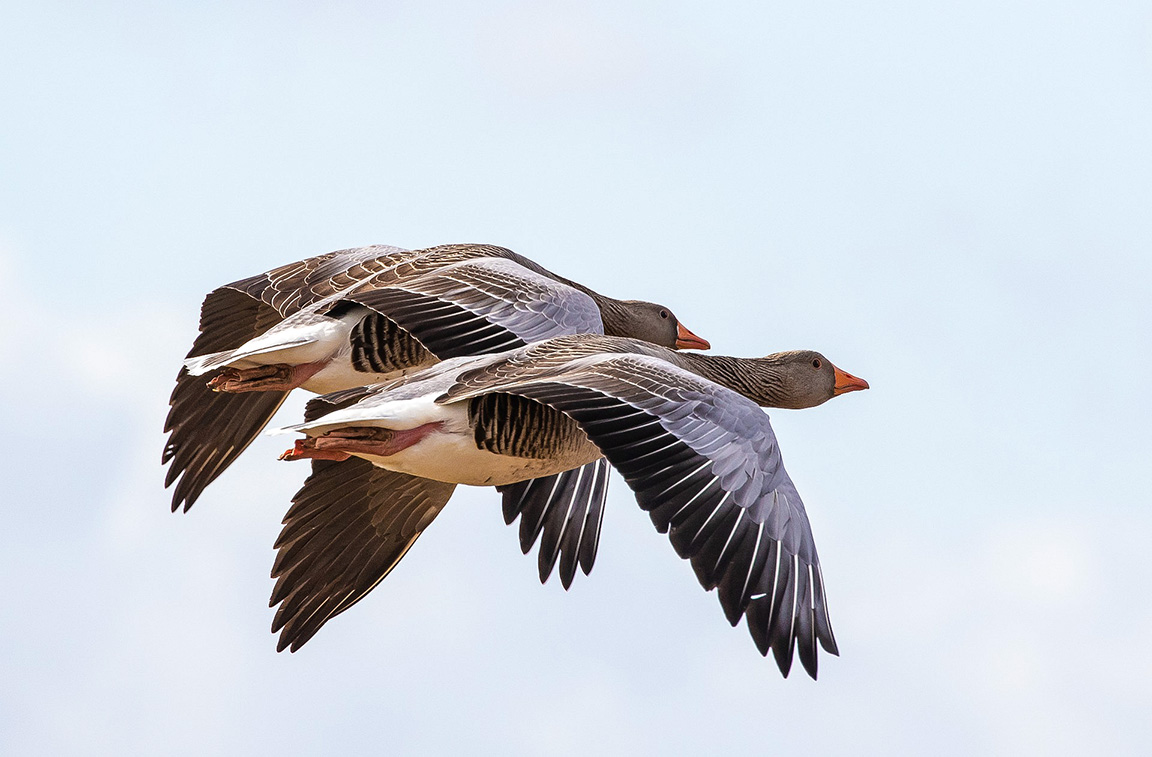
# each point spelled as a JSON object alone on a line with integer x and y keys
{"x": 951, "y": 200}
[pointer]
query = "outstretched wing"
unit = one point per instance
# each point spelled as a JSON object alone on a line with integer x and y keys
{"x": 209, "y": 430}
{"x": 479, "y": 306}
{"x": 348, "y": 527}
{"x": 704, "y": 462}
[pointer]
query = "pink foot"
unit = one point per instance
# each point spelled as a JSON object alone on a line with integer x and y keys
{"x": 303, "y": 452}
{"x": 264, "y": 378}
{"x": 339, "y": 443}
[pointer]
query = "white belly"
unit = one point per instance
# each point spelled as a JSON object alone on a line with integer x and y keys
{"x": 301, "y": 339}
{"x": 338, "y": 374}
{"x": 447, "y": 454}
{"x": 454, "y": 458}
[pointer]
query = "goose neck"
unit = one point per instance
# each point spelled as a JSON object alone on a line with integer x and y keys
{"x": 758, "y": 379}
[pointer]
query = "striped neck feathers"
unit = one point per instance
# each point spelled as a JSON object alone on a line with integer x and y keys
{"x": 784, "y": 379}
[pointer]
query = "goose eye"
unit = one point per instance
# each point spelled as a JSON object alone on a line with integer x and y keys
{"x": 816, "y": 363}
{"x": 663, "y": 313}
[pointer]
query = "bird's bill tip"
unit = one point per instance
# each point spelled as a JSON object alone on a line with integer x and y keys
{"x": 686, "y": 340}
{"x": 846, "y": 382}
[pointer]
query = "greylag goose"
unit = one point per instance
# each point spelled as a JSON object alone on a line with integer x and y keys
{"x": 364, "y": 315}
{"x": 685, "y": 431}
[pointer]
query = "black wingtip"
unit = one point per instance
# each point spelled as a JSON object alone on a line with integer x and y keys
{"x": 809, "y": 664}
{"x": 805, "y": 641}
{"x": 567, "y": 576}
{"x": 756, "y": 614}
{"x": 546, "y": 560}
{"x": 182, "y": 499}
{"x": 783, "y": 655}
{"x": 293, "y": 638}
{"x": 564, "y": 512}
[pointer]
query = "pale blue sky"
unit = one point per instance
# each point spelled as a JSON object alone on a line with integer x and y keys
{"x": 952, "y": 200}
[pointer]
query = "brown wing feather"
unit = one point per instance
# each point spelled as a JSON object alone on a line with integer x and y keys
{"x": 208, "y": 431}
{"x": 291, "y": 287}
{"x": 348, "y": 527}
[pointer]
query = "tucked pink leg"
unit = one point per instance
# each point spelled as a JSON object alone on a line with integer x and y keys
{"x": 364, "y": 440}
{"x": 302, "y": 451}
{"x": 264, "y": 378}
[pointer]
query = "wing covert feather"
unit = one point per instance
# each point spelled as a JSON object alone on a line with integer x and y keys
{"x": 479, "y": 306}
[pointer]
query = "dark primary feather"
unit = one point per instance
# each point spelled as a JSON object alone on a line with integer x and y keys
{"x": 348, "y": 527}
{"x": 703, "y": 461}
{"x": 208, "y": 432}
{"x": 568, "y": 509}
{"x": 444, "y": 328}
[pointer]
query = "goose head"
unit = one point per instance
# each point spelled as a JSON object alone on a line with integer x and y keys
{"x": 805, "y": 378}
{"x": 650, "y": 322}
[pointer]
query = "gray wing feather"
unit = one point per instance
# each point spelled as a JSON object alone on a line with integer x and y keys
{"x": 532, "y": 306}
{"x": 704, "y": 462}
{"x": 480, "y": 305}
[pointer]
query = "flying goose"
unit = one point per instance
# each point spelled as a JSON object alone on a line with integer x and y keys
{"x": 685, "y": 430}
{"x": 364, "y": 315}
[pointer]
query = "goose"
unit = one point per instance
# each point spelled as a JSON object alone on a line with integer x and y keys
{"x": 685, "y": 430}
{"x": 364, "y": 315}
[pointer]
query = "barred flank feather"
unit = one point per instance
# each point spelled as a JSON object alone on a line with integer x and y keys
{"x": 380, "y": 346}
{"x": 510, "y": 425}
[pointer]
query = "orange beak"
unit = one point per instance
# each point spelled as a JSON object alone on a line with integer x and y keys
{"x": 686, "y": 340}
{"x": 846, "y": 382}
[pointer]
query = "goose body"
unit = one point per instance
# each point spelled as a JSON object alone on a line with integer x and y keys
{"x": 686, "y": 431}
{"x": 321, "y": 351}
{"x": 304, "y": 338}
{"x": 360, "y": 316}
{"x": 446, "y": 447}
